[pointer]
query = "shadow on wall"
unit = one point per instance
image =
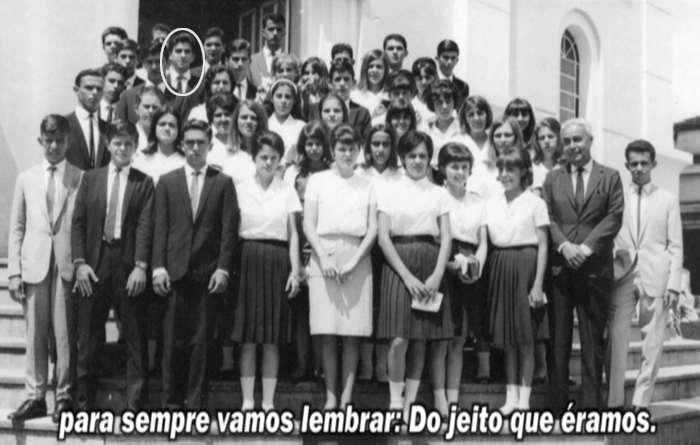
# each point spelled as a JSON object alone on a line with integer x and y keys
{"x": 8, "y": 174}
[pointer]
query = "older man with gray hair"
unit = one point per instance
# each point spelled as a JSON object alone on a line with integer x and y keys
{"x": 586, "y": 203}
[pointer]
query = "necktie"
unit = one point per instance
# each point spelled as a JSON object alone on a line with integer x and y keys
{"x": 239, "y": 90}
{"x": 51, "y": 192}
{"x": 194, "y": 193}
{"x": 181, "y": 84}
{"x": 92, "y": 141}
{"x": 639, "y": 212}
{"x": 578, "y": 199}
{"x": 110, "y": 111}
{"x": 111, "y": 222}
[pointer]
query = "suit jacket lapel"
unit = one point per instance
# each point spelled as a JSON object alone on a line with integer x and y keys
{"x": 181, "y": 180}
{"x": 647, "y": 213}
{"x": 39, "y": 186}
{"x": 128, "y": 193}
{"x": 593, "y": 180}
{"x": 206, "y": 188}
{"x": 352, "y": 113}
{"x": 81, "y": 138}
{"x": 568, "y": 185}
{"x": 627, "y": 217}
{"x": 69, "y": 182}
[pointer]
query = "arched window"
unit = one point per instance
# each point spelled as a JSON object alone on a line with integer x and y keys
{"x": 569, "y": 78}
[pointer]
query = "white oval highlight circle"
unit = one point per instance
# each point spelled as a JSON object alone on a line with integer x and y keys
{"x": 163, "y": 48}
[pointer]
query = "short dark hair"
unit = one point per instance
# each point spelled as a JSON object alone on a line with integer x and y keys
{"x": 225, "y": 101}
{"x": 269, "y": 138}
{"x": 342, "y": 66}
{"x": 152, "y": 49}
{"x": 395, "y": 36}
{"x": 393, "y": 160}
{"x": 274, "y": 17}
{"x": 180, "y": 37}
{"x": 520, "y": 159}
{"x": 162, "y": 27}
{"x": 478, "y": 103}
{"x": 109, "y": 67}
{"x": 152, "y": 146}
{"x": 209, "y": 78}
{"x": 121, "y": 128}
{"x": 398, "y": 107}
{"x": 127, "y": 44}
{"x": 197, "y": 124}
{"x": 116, "y": 31}
{"x": 344, "y": 132}
{"x": 413, "y": 139}
{"x": 54, "y": 124}
{"x": 422, "y": 63}
{"x": 237, "y": 45}
{"x": 90, "y": 72}
{"x": 401, "y": 79}
{"x": 214, "y": 31}
{"x": 640, "y": 146}
{"x": 342, "y": 48}
{"x": 441, "y": 89}
{"x": 447, "y": 45}
{"x": 455, "y": 152}
{"x": 149, "y": 89}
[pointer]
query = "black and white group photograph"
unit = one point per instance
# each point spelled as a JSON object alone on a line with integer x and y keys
{"x": 350, "y": 221}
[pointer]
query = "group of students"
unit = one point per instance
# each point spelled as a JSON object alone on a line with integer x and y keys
{"x": 400, "y": 220}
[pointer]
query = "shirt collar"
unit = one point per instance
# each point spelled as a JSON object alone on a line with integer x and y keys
{"x": 124, "y": 170}
{"x": 81, "y": 113}
{"x": 60, "y": 167}
{"x": 588, "y": 167}
{"x": 189, "y": 170}
{"x": 646, "y": 188}
{"x": 174, "y": 74}
{"x": 267, "y": 52}
{"x": 442, "y": 76}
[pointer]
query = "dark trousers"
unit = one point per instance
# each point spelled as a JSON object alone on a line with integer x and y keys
{"x": 590, "y": 297}
{"x": 93, "y": 314}
{"x": 187, "y": 328}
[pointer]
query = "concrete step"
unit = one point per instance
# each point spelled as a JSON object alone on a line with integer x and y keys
{"x": 635, "y": 332}
{"x": 676, "y": 352}
{"x": 12, "y": 324}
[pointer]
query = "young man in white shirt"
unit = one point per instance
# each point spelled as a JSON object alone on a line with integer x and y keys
{"x": 396, "y": 49}
{"x": 213, "y": 48}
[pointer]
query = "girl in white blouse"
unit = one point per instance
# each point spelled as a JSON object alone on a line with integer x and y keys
{"x": 517, "y": 225}
{"x": 370, "y": 91}
{"x": 219, "y": 110}
{"x": 269, "y": 268}
{"x": 414, "y": 234}
{"x": 467, "y": 292}
{"x": 381, "y": 166}
{"x": 219, "y": 79}
{"x": 475, "y": 118}
{"x": 283, "y": 94}
{"x": 249, "y": 121}
{"x": 163, "y": 153}
{"x": 523, "y": 113}
{"x": 340, "y": 214}
{"x": 313, "y": 153}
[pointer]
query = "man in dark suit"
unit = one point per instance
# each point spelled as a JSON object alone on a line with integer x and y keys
{"x": 127, "y": 56}
{"x": 87, "y": 144}
{"x": 273, "y": 37}
{"x": 342, "y": 77}
{"x": 115, "y": 76}
{"x": 126, "y": 107}
{"x": 586, "y": 204}
{"x": 447, "y": 58}
{"x": 238, "y": 60}
{"x": 196, "y": 225}
{"x": 111, "y": 244}
{"x": 181, "y": 55}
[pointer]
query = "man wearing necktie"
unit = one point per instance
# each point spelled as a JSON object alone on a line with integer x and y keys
{"x": 273, "y": 37}
{"x": 112, "y": 239}
{"x": 648, "y": 265}
{"x": 196, "y": 227}
{"x": 115, "y": 76}
{"x": 237, "y": 57}
{"x": 181, "y": 55}
{"x": 87, "y": 149}
{"x": 585, "y": 202}
{"x": 40, "y": 269}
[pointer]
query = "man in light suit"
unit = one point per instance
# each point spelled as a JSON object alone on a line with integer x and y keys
{"x": 273, "y": 37}
{"x": 112, "y": 241}
{"x": 87, "y": 142}
{"x": 648, "y": 265}
{"x": 585, "y": 202}
{"x": 196, "y": 225}
{"x": 40, "y": 267}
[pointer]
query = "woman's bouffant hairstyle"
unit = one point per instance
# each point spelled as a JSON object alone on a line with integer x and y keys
{"x": 520, "y": 159}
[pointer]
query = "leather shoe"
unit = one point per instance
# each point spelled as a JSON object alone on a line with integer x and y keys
{"x": 30, "y": 409}
{"x": 61, "y": 406}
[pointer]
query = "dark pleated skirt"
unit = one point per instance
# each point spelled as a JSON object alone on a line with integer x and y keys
{"x": 262, "y": 312}
{"x": 378, "y": 262}
{"x": 396, "y": 318}
{"x": 512, "y": 321}
{"x": 469, "y": 304}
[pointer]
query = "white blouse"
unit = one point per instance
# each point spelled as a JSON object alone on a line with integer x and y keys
{"x": 467, "y": 217}
{"x": 515, "y": 224}
{"x": 198, "y": 113}
{"x": 158, "y": 164}
{"x": 343, "y": 203}
{"x": 414, "y": 206}
{"x": 452, "y": 134}
{"x": 143, "y": 142}
{"x": 238, "y": 165}
{"x": 264, "y": 213}
{"x": 539, "y": 172}
{"x": 289, "y": 132}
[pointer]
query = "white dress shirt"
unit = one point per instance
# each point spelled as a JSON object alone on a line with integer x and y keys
{"x": 515, "y": 223}
{"x": 265, "y": 213}
{"x": 123, "y": 178}
{"x": 57, "y": 176}
{"x": 173, "y": 75}
{"x": 467, "y": 217}
{"x": 634, "y": 201}
{"x": 104, "y": 110}
{"x": 269, "y": 58}
{"x": 240, "y": 89}
{"x": 158, "y": 164}
{"x": 586, "y": 175}
{"x": 189, "y": 175}
{"x": 83, "y": 116}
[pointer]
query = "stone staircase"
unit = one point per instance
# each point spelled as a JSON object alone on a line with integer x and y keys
{"x": 676, "y": 404}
